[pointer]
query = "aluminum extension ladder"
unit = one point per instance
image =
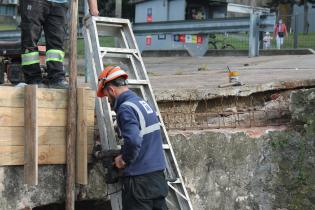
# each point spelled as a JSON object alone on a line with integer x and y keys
{"x": 126, "y": 54}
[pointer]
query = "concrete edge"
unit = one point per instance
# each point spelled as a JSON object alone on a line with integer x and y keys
{"x": 242, "y": 91}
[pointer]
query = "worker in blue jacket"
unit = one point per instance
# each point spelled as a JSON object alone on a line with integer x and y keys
{"x": 142, "y": 158}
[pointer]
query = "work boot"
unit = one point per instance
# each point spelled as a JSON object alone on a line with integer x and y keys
{"x": 42, "y": 85}
{"x": 39, "y": 83}
{"x": 59, "y": 84}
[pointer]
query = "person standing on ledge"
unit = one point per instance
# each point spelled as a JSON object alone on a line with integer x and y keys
{"x": 48, "y": 16}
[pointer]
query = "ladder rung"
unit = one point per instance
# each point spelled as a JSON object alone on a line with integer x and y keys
{"x": 118, "y": 50}
{"x": 137, "y": 82}
{"x": 109, "y": 25}
{"x": 166, "y": 146}
{"x": 177, "y": 181}
{"x": 110, "y": 20}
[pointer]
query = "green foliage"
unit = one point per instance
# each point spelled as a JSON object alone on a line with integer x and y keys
{"x": 104, "y": 42}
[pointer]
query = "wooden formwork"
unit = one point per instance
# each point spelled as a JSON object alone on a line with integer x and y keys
{"x": 42, "y": 124}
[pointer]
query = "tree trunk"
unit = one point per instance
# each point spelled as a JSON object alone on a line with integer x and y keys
{"x": 306, "y": 24}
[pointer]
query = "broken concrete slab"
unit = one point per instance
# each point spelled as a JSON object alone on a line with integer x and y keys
{"x": 175, "y": 76}
{"x": 185, "y": 94}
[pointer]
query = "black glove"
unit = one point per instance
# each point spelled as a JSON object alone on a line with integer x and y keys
{"x": 97, "y": 149}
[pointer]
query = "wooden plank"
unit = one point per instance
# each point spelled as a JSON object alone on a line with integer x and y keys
{"x": 47, "y": 98}
{"x": 47, "y": 154}
{"x": 11, "y": 97}
{"x": 46, "y": 117}
{"x": 31, "y": 137}
{"x": 14, "y": 136}
{"x": 81, "y": 146}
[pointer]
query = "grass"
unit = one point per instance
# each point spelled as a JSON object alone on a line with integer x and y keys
{"x": 104, "y": 42}
{"x": 304, "y": 41}
{"x": 7, "y": 27}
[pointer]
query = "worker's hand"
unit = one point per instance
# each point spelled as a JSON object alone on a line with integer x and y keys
{"x": 94, "y": 12}
{"x": 119, "y": 162}
{"x": 93, "y": 8}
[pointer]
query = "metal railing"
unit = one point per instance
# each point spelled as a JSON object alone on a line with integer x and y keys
{"x": 296, "y": 37}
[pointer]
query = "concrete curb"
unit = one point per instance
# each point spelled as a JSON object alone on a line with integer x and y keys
{"x": 271, "y": 52}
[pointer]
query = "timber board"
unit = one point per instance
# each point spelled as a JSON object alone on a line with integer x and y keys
{"x": 47, "y": 154}
{"x": 52, "y": 123}
{"x": 14, "y": 136}
{"x": 11, "y": 116}
{"x": 47, "y": 98}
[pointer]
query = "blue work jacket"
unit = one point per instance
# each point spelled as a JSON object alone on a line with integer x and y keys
{"x": 140, "y": 128}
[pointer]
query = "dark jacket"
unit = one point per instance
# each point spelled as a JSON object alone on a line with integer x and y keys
{"x": 142, "y": 150}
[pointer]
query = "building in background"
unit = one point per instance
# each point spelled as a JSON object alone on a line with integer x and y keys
{"x": 147, "y": 11}
{"x": 298, "y": 12}
{"x": 171, "y": 10}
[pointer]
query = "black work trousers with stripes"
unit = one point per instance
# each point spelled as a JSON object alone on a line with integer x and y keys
{"x": 36, "y": 16}
{"x": 145, "y": 192}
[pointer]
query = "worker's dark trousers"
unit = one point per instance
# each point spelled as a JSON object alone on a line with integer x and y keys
{"x": 145, "y": 192}
{"x": 51, "y": 17}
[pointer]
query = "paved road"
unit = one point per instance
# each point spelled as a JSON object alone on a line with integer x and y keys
{"x": 182, "y": 72}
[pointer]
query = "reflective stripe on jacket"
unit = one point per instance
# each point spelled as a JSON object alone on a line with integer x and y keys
{"x": 140, "y": 129}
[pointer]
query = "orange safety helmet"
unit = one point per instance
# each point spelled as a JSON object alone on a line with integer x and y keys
{"x": 110, "y": 73}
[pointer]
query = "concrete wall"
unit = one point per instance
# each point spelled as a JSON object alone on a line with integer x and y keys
{"x": 257, "y": 169}
{"x": 14, "y": 195}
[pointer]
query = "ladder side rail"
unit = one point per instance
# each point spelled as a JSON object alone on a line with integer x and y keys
{"x": 128, "y": 30}
{"x": 102, "y": 115}
{"x": 124, "y": 38}
{"x": 109, "y": 124}
{"x": 132, "y": 61}
{"x": 98, "y": 103}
